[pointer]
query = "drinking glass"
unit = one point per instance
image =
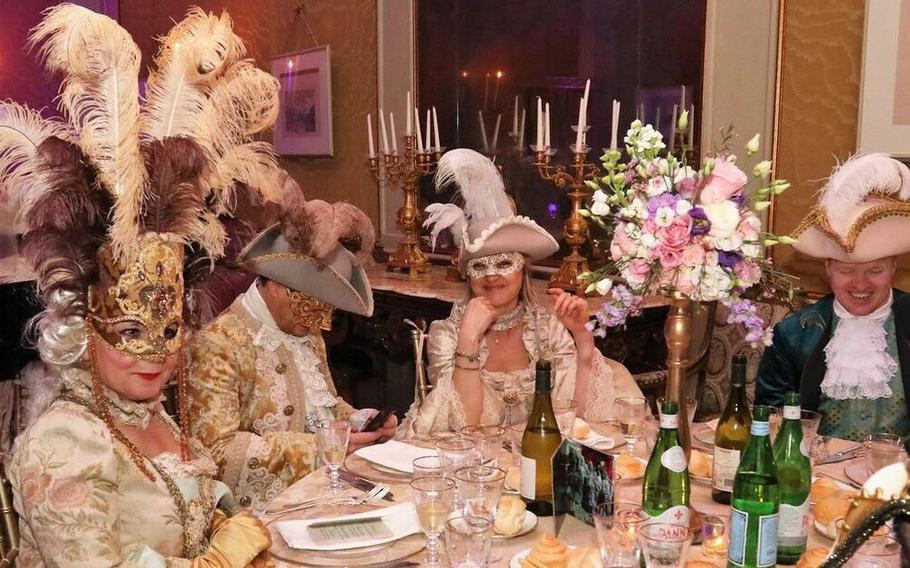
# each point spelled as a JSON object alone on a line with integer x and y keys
{"x": 488, "y": 440}
{"x": 714, "y": 544}
{"x": 617, "y": 527}
{"x": 432, "y": 497}
{"x": 456, "y": 453}
{"x": 565, "y": 409}
{"x": 810, "y": 421}
{"x": 881, "y": 450}
{"x": 468, "y": 541}
{"x": 876, "y": 552}
{"x": 479, "y": 489}
{"x": 429, "y": 466}
{"x": 332, "y": 439}
{"x": 664, "y": 544}
{"x": 631, "y": 413}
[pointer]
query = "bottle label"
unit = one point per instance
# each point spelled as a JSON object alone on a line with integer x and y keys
{"x": 792, "y": 413}
{"x": 676, "y": 515}
{"x": 528, "y": 487}
{"x": 759, "y": 428}
{"x": 674, "y": 459}
{"x": 725, "y": 463}
{"x": 794, "y": 524}
{"x": 766, "y": 542}
{"x": 669, "y": 421}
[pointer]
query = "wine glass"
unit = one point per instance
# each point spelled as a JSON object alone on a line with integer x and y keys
{"x": 631, "y": 413}
{"x": 433, "y": 499}
{"x": 564, "y": 410}
{"x": 332, "y": 439}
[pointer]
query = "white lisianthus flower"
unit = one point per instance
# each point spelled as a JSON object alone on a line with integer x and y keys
{"x": 656, "y": 186}
{"x": 599, "y": 197}
{"x": 683, "y": 206}
{"x": 753, "y": 144}
{"x": 603, "y": 286}
{"x": 600, "y": 208}
{"x": 648, "y": 240}
{"x": 729, "y": 243}
{"x": 762, "y": 169}
{"x": 664, "y": 216}
{"x": 684, "y": 173}
{"x": 724, "y": 218}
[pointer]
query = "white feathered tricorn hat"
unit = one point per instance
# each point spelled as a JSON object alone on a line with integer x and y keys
{"x": 487, "y": 224}
{"x": 304, "y": 250}
{"x": 862, "y": 212}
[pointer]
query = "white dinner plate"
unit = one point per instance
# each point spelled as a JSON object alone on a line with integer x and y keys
{"x": 855, "y": 470}
{"x": 527, "y": 525}
{"x": 522, "y": 554}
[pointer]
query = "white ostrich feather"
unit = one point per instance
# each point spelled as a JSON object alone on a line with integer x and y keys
{"x": 100, "y": 93}
{"x": 442, "y": 216}
{"x": 479, "y": 183}
{"x": 21, "y": 131}
{"x": 192, "y": 56}
{"x": 254, "y": 164}
{"x": 853, "y": 180}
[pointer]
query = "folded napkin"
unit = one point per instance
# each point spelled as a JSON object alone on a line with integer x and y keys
{"x": 400, "y": 519}
{"x": 394, "y": 455}
{"x": 593, "y": 440}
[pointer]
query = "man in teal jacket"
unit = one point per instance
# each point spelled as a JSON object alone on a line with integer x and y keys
{"x": 848, "y": 355}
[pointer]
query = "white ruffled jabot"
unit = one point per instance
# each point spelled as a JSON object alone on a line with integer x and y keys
{"x": 857, "y": 358}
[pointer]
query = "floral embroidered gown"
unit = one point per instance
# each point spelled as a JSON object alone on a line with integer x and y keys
{"x": 83, "y": 502}
{"x": 542, "y": 335}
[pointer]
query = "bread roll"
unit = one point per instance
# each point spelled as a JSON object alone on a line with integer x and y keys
{"x": 828, "y": 511}
{"x": 628, "y": 467}
{"x": 700, "y": 464}
{"x": 547, "y": 552}
{"x": 581, "y": 429}
{"x": 513, "y": 479}
{"x": 584, "y": 557}
{"x": 824, "y": 488}
{"x": 509, "y": 516}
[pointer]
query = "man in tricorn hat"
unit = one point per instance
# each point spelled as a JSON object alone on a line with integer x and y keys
{"x": 848, "y": 355}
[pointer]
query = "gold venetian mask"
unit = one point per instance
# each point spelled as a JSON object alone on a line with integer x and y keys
{"x": 310, "y": 312}
{"x": 148, "y": 291}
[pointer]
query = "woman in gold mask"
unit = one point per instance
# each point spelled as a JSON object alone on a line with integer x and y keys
{"x": 122, "y": 209}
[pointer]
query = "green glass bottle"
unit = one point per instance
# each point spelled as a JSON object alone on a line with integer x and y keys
{"x": 539, "y": 443}
{"x": 794, "y": 476}
{"x": 755, "y": 507}
{"x": 665, "y": 490}
{"x": 732, "y": 434}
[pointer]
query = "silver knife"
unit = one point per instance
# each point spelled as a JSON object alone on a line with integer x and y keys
{"x": 361, "y": 483}
{"x": 843, "y": 455}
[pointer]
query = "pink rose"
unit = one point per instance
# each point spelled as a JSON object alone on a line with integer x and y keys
{"x": 669, "y": 258}
{"x": 747, "y": 272}
{"x": 675, "y": 236}
{"x": 693, "y": 255}
{"x": 636, "y": 272}
{"x": 68, "y": 492}
{"x": 748, "y": 227}
{"x": 724, "y": 182}
{"x": 684, "y": 282}
{"x": 623, "y": 241}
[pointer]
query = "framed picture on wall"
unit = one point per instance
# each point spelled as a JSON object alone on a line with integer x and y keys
{"x": 304, "y": 126}
{"x": 884, "y": 114}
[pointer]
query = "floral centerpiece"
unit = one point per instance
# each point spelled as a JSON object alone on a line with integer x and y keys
{"x": 679, "y": 228}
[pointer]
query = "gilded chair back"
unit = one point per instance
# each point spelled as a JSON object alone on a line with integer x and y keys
{"x": 9, "y": 531}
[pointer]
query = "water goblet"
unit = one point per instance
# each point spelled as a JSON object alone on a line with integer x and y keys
{"x": 565, "y": 410}
{"x": 429, "y": 466}
{"x": 456, "y": 453}
{"x": 432, "y": 498}
{"x": 488, "y": 440}
{"x": 664, "y": 545}
{"x": 479, "y": 489}
{"x": 332, "y": 438}
{"x": 631, "y": 413}
{"x": 468, "y": 541}
{"x": 882, "y": 449}
{"x": 617, "y": 526}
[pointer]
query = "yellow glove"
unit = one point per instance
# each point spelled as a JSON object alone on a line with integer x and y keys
{"x": 235, "y": 543}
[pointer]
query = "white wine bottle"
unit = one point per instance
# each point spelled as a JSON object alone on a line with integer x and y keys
{"x": 732, "y": 434}
{"x": 538, "y": 446}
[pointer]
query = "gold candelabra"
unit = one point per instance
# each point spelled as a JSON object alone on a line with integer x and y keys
{"x": 407, "y": 169}
{"x": 575, "y": 227}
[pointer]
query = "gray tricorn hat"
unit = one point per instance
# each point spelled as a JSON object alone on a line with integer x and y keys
{"x": 303, "y": 251}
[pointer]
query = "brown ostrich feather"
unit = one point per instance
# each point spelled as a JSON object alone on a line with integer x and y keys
{"x": 174, "y": 203}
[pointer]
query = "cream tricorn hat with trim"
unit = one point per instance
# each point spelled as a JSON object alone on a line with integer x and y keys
{"x": 303, "y": 250}
{"x": 862, "y": 212}
{"x": 487, "y": 224}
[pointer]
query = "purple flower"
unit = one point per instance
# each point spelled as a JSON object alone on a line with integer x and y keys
{"x": 745, "y": 313}
{"x": 614, "y": 312}
{"x": 663, "y": 200}
{"x": 728, "y": 259}
{"x": 738, "y": 198}
{"x": 700, "y": 223}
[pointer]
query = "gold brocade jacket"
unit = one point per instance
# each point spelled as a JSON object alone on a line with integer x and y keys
{"x": 83, "y": 502}
{"x": 254, "y": 393}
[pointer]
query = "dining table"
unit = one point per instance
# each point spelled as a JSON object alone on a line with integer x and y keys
{"x": 571, "y": 531}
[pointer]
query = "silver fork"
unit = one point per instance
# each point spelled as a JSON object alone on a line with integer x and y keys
{"x": 373, "y": 495}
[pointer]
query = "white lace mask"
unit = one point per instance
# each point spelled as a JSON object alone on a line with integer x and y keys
{"x": 500, "y": 264}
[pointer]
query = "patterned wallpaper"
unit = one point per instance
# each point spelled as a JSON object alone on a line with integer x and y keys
{"x": 819, "y": 104}
{"x": 270, "y": 28}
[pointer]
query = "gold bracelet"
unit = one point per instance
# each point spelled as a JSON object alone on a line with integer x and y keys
{"x": 475, "y": 356}
{"x": 463, "y": 368}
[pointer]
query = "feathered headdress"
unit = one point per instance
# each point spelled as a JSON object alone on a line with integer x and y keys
{"x": 307, "y": 250}
{"x": 487, "y": 224}
{"x": 117, "y": 199}
{"x": 861, "y": 212}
